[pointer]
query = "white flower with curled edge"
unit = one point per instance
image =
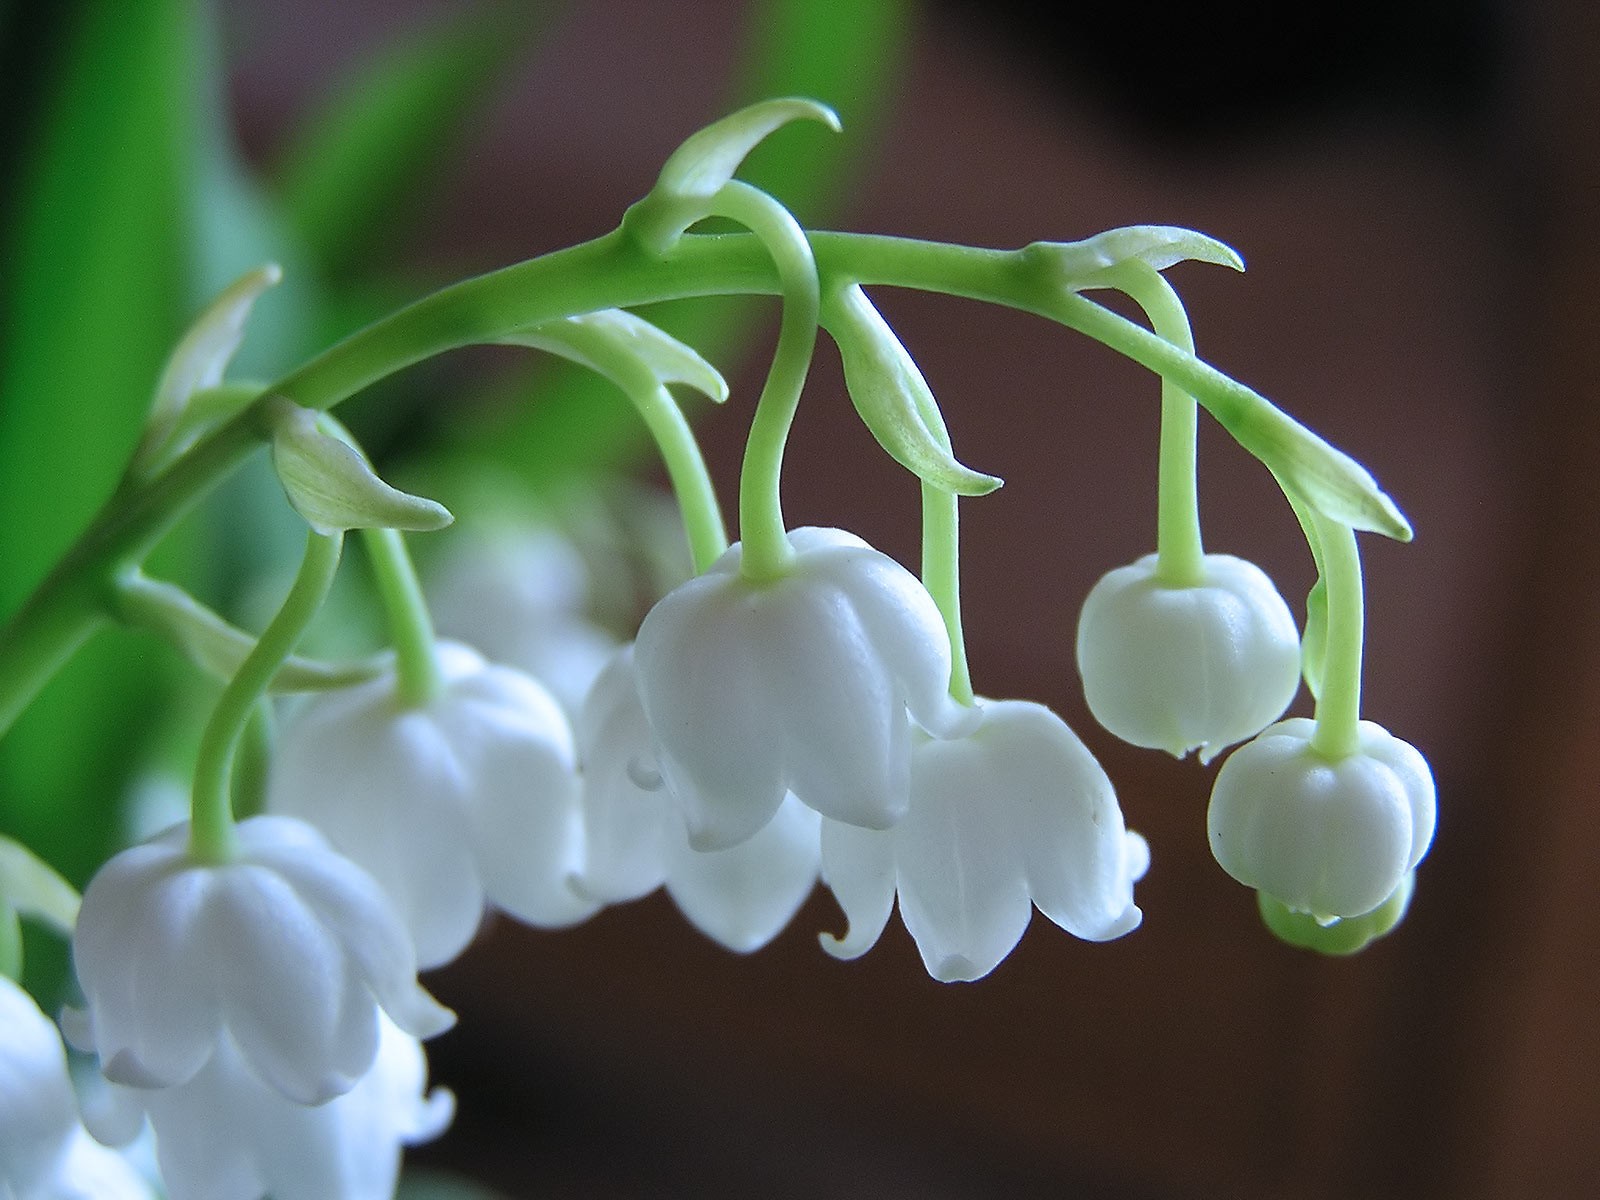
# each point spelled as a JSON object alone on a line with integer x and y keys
{"x": 800, "y": 684}
{"x": 1197, "y": 666}
{"x": 471, "y": 796}
{"x": 1016, "y": 814}
{"x": 225, "y": 1135}
{"x": 636, "y": 840}
{"x": 286, "y": 948}
{"x": 45, "y": 1154}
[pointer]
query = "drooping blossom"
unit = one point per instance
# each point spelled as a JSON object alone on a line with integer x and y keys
{"x": 286, "y": 952}
{"x": 800, "y": 684}
{"x": 1187, "y": 668}
{"x": 472, "y": 797}
{"x": 636, "y": 839}
{"x": 1015, "y": 815}
{"x": 1332, "y": 837}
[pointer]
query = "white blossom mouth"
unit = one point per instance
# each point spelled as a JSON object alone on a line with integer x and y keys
{"x": 290, "y": 949}
{"x": 798, "y": 685}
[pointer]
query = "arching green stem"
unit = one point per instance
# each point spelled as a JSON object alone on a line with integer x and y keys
{"x": 1338, "y": 710}
{"x": 252, "y": 761}
{"x": 766, "y": 550}
{"x": 211, "y": 835}
{"x": 417, "y": 679}
{"x": 1179, "y": 551}
{"x": 613, "y": 272}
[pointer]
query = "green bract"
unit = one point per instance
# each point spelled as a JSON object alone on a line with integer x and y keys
{"x": 331, "y": 484}
{"x": 891, "y": 395}
{"x": 700, "y": 168}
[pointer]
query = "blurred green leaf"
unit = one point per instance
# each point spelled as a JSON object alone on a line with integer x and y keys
{"x": 846, "y": 53}
{"x": 93, "y": 298}
{"x": 390, "y": 125}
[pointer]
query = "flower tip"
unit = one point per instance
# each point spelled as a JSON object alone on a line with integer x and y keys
{"x": 423, "y": 1017}
{"x": 956, "y": 968}
{"x": 1135, "y": 857}
{"x": 846, "y": 948}
{"x": 127, "y": 1068}
{"x": 433, "y": 1117}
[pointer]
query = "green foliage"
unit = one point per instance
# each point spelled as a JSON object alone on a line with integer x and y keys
{"x": 357, "y": 163}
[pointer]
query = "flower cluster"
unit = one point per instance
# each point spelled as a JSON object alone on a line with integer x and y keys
{"x": 798, "y": 711}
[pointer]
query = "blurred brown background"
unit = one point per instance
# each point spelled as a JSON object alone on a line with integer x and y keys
{"x": 1412, "y": 185}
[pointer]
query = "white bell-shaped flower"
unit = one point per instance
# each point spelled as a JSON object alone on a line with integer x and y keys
{"x": 636, "y": 839}
{"x": 225, "y": 1135}
{"x": 473, "y": 796}
{"x": 799, "y": 684}
{"x": 1187, "y": 668}
{"x": 1014, "y": 815}
{"x": 37, "y": 1111}
{"x": 1329, "y": 837}
{"x": 522, "y": 598}
{"x": 288, "y": 948}
{"x": 45, "y": 1154}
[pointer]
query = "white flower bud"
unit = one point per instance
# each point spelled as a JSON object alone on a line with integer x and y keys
{"x": 288, "y": 948}
{"x": 801, "y": 684}
{"x": 1333, "y": 838}
{"x": 1187, "y": 668}
{"x": 472, "y": 796}
{"x": 1016, "y": 814}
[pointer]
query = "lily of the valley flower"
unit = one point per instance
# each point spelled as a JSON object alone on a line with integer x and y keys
{"x": 636, "y": 839}
{"x": 45, "y": 1154}
{"x": 1014, "y": 815}
{"x": 225, "y": 1135}
{"x": 473, "y": 796}
{"x": 800, "y": 684}
{"x": 1330, "y": 837}
{"x": 1187, "y": 668}
{"x": 288, "y": 950}
{"x": 522, "y": 600}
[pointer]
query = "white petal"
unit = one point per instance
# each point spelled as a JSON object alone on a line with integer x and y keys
{"x": 298, "y": 1013}
{"x": 351, "y": 906}
{"x": 155, "y": 1021}
{"x": 1415, "y": 778}
{"x": 901, "y": 623}
{"x": 719, "y": 744}
{"x": 744, "y": 896}
{"x": 840, "y": 713}
{"x": 1060, "y": 807}
{"x": 858, "y": 868}
{"x": 963, "y": 892}
{"x": 626, "y": 826}
{"x": 92, "y": 1172}
{"x": 37, "y": 1111}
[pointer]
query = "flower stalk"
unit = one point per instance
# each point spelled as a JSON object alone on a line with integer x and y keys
{"x": 211, "y": 827}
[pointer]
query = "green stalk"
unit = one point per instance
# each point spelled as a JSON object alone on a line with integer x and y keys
{"x": 1338, "y": 711}
{"x": 1180, "y": 554}
{"x": 610, "y": 272}
{"x": 417, "y": 678}
{"x": 762, "y": 533}
{"x": 211, "y": 833}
